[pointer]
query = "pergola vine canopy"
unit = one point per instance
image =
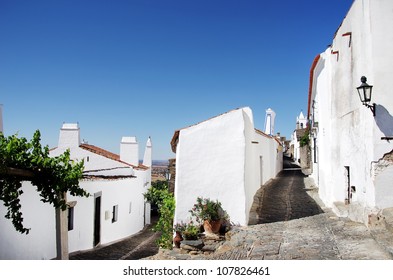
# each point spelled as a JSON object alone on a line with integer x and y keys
{"x": 22, "y": 160}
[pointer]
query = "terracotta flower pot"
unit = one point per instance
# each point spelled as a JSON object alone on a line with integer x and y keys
{"x": 177, "y": 239}
{"x": 212, "y": 226}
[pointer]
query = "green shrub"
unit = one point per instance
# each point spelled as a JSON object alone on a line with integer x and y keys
{"x": 165, "y": 222}
{"x": 158, "y": 194}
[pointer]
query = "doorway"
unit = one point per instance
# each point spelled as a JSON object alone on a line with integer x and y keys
{"x": 347, "y": 176}
{"x": 97, "y": 218}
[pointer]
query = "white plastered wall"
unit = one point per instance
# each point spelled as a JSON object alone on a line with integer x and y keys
{"x": 210, "y": 160}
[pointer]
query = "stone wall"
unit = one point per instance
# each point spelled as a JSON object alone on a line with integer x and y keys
{"x": 172, "y": 171}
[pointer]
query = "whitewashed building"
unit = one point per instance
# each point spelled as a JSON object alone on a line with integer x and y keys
{"x": 115, "y": 209}
{"x": 298, "y": 133}
{"x": 352, "y": 155}
{"x": 224, "y": 158}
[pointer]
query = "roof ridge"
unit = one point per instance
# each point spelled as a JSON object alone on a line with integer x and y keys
{"x": 105, "y": 153}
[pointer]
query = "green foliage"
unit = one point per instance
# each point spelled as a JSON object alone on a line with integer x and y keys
{"x": 165, "y": 222}
{"x": 180, "y": 227}
{"x": 159, "y": 194}
{"x": 156, "y": 193}
{"x": 305, "y": 139}
{"x": 207, "y": 209}
{"x": 53, "y": 176}
{"x": 191, "y": 231}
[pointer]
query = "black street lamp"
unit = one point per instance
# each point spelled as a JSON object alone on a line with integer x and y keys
{"x": 365, "y": 91}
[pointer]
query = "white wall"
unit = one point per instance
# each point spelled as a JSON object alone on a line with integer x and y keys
{"x": 220, "y": 159}
{"x": 40, "y": 243}
{"x": 127, "y": 193}
{"x": 210, "y": 160}
{"x": 348, "y": 134}
{"x": 123, "y": 192}
{"x": 262, "y": 149}
{"x": 129, "y": 150}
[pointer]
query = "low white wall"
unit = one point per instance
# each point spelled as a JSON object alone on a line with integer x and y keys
{"x": 126, "y": 193}
{"x": 210, "y": 159}
{"x": 40, "y": 243}
{"x": 221, "y": 159}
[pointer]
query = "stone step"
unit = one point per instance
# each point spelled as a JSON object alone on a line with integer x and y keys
{"x": 340, "y": 209}
{"x": 388, "y": 215}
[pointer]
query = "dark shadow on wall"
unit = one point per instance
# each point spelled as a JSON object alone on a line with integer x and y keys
{"x": 384, "y": 120}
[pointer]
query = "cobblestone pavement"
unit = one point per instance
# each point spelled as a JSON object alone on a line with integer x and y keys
{"x": 286, "y": 198}
{"x": 292, "y": 223}
{"x": 135, "y": 247}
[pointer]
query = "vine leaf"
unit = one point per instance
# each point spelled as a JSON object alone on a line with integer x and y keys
{"x": 52, "y": 176}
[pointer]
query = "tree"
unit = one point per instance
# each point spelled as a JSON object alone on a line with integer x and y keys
{"x": 22, "y": 160}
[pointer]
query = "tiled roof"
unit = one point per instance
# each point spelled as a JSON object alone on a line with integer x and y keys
{"x": 262, "y": 133}
{"x": 110, "y": 155}
{"x": 100, "y": 151}
{"x": 267, "y": 135}
{"x": 314, "y": 64}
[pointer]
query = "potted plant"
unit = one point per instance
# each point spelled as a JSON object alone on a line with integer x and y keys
{"x": 179, "y": 228}
{"x": 191, "y": 231}
{"x": 209, "y": 213}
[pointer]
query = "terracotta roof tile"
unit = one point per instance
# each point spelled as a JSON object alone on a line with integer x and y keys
{"x": 109, "y": 155}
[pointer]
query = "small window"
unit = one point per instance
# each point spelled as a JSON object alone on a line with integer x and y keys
{"x": 70, "y": 218}
{"x": 114, "y": 213}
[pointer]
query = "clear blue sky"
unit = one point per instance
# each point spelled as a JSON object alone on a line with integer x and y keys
{"x": 148, "y": 67}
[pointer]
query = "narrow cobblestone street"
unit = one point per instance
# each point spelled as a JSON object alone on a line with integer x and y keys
{"x": 286, "y": 198}
{"x": 292, "y": 223}
{"x": 135, "y": 247}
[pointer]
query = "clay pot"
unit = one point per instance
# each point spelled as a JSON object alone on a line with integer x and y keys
{"x": 177, "y": 239}
{"x": 212, "y": 226}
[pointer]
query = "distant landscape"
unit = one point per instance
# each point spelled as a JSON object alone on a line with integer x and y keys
{"x": 160, "y": 162}
{"x": 159, "y": 169}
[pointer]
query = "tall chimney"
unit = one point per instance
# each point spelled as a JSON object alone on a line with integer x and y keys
{"x": 69, "y": 135}
{"x": 147, "y": 158}
{"x": 269, "y": 121}
{"x": 129, "y": 150}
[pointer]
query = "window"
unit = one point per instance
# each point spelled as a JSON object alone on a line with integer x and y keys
{"x": 70, "y": 218}
{"x": 115, "y": 213}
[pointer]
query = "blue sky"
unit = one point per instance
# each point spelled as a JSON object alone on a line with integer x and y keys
{"x": 148, "y": 67}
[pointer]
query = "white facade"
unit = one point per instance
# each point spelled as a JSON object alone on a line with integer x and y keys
{"x": 352, "y": 164}
{"x": 301, "y": 124}
{"x": 114, "y": 210}
{"x": 224, "y": 158}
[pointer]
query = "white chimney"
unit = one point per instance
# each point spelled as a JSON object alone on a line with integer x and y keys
{"x": 129, "y": 150}
{"x": 1, "y": 117}
{"x": 147, "y": 160}
{"x": 269, "y": 121}
{"x": 69, "y": 135}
